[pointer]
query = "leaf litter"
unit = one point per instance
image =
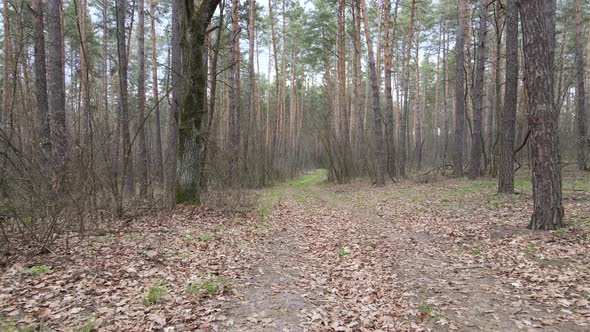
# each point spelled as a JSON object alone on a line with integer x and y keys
{"x": 419, "y": 257}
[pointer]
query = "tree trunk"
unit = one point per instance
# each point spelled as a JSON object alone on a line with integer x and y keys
{"x": 159, "y": 163}
{"x": 405, "y": 86}
{"x": 508, "y": 113}
{"x": 195, "y": 20}
{"x": 417, "y": 106}
{"x": 142, "y": 122}
{"x": 126, "y": 165}
{"x": 379, "y": 156}
{"x": 234, "y": 90}
{"x": 7, "y": 81}
{"x": 582, "y": 140}
{"x": 538, "y": 22}
{"x": 459, "y": 93}
{"x": 56, "y": 85}
{"x": 389, "y": 112}
{"x": 251, "y": 76}
{"x": 43, "y": 120}
{"x": 478, "y": 93}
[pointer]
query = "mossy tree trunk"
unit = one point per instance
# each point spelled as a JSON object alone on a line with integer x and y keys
{"x": 195, "y": 17}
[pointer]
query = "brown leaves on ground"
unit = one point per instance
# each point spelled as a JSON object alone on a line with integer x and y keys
{"x": 445, "y": 256}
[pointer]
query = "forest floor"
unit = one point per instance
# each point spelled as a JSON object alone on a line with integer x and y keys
{"x": 442, "y": 255}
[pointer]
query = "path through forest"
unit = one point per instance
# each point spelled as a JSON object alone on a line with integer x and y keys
{"x": 440, "y": 255}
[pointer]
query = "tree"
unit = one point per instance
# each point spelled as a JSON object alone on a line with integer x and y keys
{"x": 142, "y": 162}
{"x": 234, "y": 89}
{"x": 477, "y": 134}
{"x": 43, "y": 120}
{"x": 56, "y": 86}
{"x": 194, "y": 21}
{"x": 538, "y": 27}
{"x": 159, "y": 163}
{"x": 379, "y": 156}
{"x": 508, "y": 113}
{"x": 459, "y": 92}
{"x": 581, "y": 145}
{"x": 389, "y": 112}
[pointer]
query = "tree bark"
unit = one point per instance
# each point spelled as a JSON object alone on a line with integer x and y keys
{"x": 582, "y": 139}
{"x": 538, "y": 22}
{"x": 389, "y": 112}
{"x": 159, "y": 163}
{"x": 56, "y": 85}
{"x": 194, "y": 22}
{"x": 459, "y": 92}
{"x": 508, "y": 113}
{"x": 379, "y": 156}
{"x": 142, "y": 122}
{"x": 43, "y": 119}
{"x": 405, "y": 86}
{"x": 478, "y": 93}
{"x": 234, "y": 90}
{"x": 126, "y": 162}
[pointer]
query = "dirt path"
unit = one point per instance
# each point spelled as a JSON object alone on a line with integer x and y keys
{"x": 348, "y": 259}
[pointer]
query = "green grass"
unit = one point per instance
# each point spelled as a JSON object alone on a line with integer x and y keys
{"x": 209, "y": 285}
{"x": 187, "y": 237}
{"x": 104, "y": 238}
{"x": 36, "y": 269}
{"x": 470, "y": 186}
{"x": 341, "y": 252}
{"x": 183, "y": 253}
{"x": 134, "y": 236}
{"x": 154, "y": 294}
{"x": 578, "y": 185}
{"x": 267, "y": 198}
{"x": 88, "y": 327}
{"x": 206, "y": 237}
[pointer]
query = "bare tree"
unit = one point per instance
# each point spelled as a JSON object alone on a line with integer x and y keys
{"x": 538, "y": 27}
{"x": 459, "y": 92}
{"x": 582, "y": 144}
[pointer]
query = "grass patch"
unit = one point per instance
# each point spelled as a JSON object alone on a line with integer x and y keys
{"x": 561, "y": 230}
{"x": 341, "y": 252}
{"x": 206, "y": 237}
{"x": 154, "y": 294}
{"x": 209, "y": 285}
{"x": 104, "y": 239}
{"x": 312, "y": 178}
{"x": 469, "y": 186}
{"x": 579, "y": 185}
{"x": 88, "y": 327}
{"x": 183, "y": 254}
{"x": 36, "y": 269}
{"x": 187, "y": 237}
{"x": 134, "y": 236}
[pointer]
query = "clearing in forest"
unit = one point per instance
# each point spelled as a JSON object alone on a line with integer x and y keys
{"x": 444, "y": 255}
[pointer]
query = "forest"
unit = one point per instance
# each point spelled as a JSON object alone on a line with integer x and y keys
{"x": 294, "y": 165}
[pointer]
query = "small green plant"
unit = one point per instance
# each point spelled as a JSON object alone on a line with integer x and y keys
{"x": 184, "y": 253}
{"x": 205, "y": 286}
{"x": 205, "y": 237}
{"x": 187, "y": 237}
{"x": 561, "y": 230}
{"x": 341, "y": 252}
{"x": 425, "y": 308}
{"x": 88, "y": 327}
{"x": 104, "y": 238}
{"x": 154, "y": 294}
{"x": 475, "y": 250}
{"x": 530, "y": 247}
{"x": 219, "y": 229}
{"x": 262, "y": 225}
{"x": 134, "y": 236}
{"x": 36, "y": 269}
{"x": 373, "y": 244}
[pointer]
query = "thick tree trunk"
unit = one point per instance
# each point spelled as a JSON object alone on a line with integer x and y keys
{"x": 379, "y": 157}
{"x": 508, "y": 114}
{"x": 43, "y": 120}
{"x": 459, "y": 92}
{"x": 194, "y": 22}
{"x": 478, "y": 93}
{"x": 582, "y": 139}
{"x": 56, "y": 85}
{"x": 538, "y": 22}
